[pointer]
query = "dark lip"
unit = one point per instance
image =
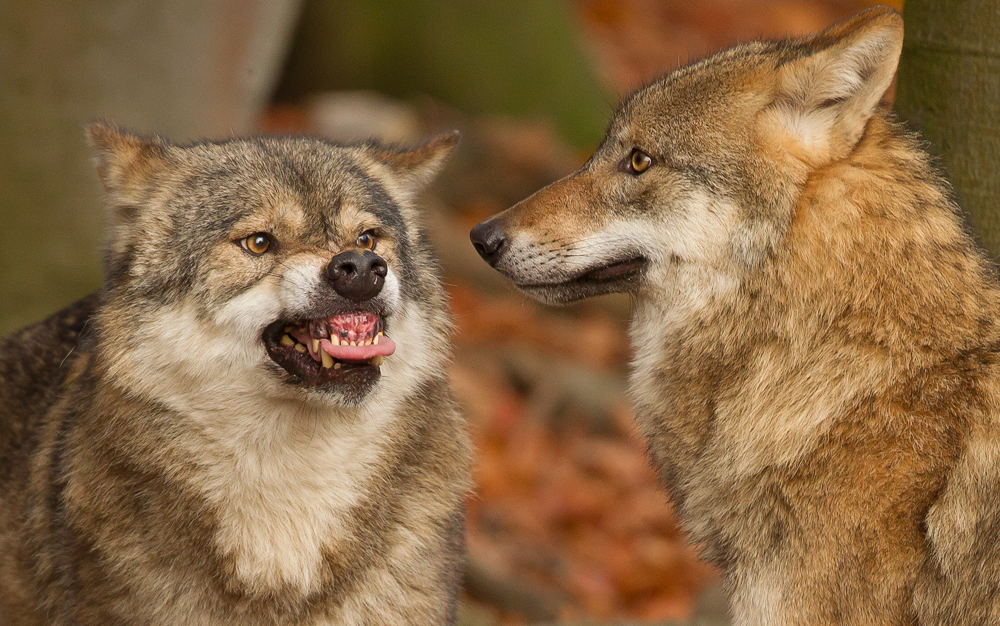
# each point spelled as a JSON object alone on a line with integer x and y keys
{"x": 353, "y": 380}
{"x": 616, "y": 276}
{"x": 616, "y": 271}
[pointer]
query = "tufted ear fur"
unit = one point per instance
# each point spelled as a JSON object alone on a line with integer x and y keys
{"x": 126, "y": 163}
{"x": 419, "y": 165}
{"x": 827, "y": 94}
{"x": 129, "y": 167}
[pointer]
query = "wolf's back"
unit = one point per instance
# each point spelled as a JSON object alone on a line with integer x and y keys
{"x": 33, "y": 363}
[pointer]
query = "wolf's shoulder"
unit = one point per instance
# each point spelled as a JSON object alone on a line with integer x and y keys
{"x": 33, "y": 362}
{"x": 34, "y": 357}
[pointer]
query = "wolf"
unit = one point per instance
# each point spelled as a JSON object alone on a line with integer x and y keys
{"x": 250, "y": 422}
{"x": 816, "y": 343}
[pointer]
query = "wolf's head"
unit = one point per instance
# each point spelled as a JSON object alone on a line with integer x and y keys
{"x": 292, "y": 267}
{"x": 701, "y": 169}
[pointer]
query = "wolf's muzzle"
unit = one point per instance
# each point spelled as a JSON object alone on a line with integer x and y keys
{"x": 357, "y": 274}
{"x": 488, "y": 240}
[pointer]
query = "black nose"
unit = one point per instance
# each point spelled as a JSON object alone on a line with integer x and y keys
{"x": 488, "y": 240}
{"x": 357, "y": 274}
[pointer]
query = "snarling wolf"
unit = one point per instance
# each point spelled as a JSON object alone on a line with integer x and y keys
{"x": 815, "y": 333}
{"x": 250, "y": 423}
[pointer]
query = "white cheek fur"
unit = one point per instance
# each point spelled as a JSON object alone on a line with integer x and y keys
{"x": 264, "y": 449}
{"x": 697, "y": 230}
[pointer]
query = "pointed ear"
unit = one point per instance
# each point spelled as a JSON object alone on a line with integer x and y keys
{"x": 419, "y": 165}
{"x": 128, "y": 166}
{"x": 126, "y": 163}
{"x": 828, "y": 93}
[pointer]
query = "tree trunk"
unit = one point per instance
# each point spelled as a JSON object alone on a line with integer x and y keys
{"x": 183, "y": 68}
{"x": 949, "y": 88}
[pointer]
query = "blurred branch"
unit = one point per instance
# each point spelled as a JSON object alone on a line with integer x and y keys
{"x": 507, "y": 593}
{"x": 563, "y": 387}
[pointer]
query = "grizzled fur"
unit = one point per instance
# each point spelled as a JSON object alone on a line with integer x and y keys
{"x": 156, "y": 467}
{"x": 817, "y": 347}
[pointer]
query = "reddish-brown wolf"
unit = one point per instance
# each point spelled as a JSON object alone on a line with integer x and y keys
{"x": 816, "y": 335}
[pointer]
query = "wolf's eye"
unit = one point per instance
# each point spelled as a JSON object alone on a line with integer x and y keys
{"x": 638, "y": 162}
{"x": 366, "y": 240}
{"x": 256, "y": 244}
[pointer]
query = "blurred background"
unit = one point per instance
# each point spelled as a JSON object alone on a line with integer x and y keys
{"x": 568, "y": 524}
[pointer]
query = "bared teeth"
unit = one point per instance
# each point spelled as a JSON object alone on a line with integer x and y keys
{"x": 355, "y": 330}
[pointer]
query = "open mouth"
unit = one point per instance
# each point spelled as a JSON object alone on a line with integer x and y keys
{"x": 323, "y": 351}
{"x": 616, "y": 271}
{"x": 621, "y": 275}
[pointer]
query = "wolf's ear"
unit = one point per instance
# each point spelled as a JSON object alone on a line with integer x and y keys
{"x": 827, "y": 94}
{"x": 419, "y": 165}
{"x": 128, "y": 166}
{"x": 126, "y": 163}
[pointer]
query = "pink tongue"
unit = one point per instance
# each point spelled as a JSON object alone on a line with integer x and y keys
{"x": 357, "y": 327}
{"x": 385, "y": 347}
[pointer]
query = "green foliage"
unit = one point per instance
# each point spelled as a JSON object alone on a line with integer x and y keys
{"x": 515, "y": 57}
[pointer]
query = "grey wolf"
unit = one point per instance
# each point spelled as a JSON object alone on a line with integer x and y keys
{"x": 815, "y": 334}
{"x": 250, "y": 422}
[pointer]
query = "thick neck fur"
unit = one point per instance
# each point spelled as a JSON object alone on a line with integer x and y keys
{"x": 277, "y": 471}
{"x": 744, "y": 370}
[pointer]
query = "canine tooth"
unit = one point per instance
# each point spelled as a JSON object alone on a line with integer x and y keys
{"x": 336, "y": 366}
{"x": 287, "y": 341}
{"x": 375, "y": 340}
{"x": 327, "y": 360}
{"x": 377, "y": 360}
{"x": 300, "y": 347}
{"x": 315, "y": 345}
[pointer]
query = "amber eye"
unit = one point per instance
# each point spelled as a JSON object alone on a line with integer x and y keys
{"x": 639, "y": 162}
{"x": 256, "y": 244}
{"x": 366, "y": 240}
